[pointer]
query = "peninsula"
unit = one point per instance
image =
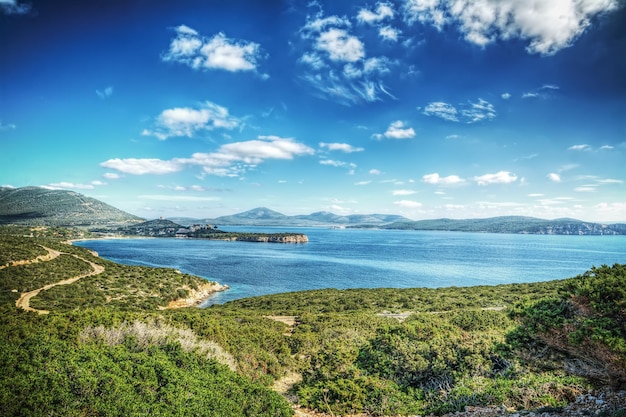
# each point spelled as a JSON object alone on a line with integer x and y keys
{"x": 168, "y": 228}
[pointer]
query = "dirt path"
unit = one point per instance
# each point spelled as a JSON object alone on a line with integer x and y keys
{"x": 41, "y": 258}
{"x": 24, "y": 300}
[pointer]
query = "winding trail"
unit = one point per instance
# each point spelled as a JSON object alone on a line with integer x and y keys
{"x": 24, "y": 300}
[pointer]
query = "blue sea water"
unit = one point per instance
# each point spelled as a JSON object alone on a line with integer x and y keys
{"x": 354, "y": 258}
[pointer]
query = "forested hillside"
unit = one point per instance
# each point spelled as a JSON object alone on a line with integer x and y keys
{"x": 42, "y": 206}
{"x": 107, "y": 347}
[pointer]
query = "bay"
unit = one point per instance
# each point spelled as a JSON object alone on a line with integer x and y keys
{"x": 354, "y": 258}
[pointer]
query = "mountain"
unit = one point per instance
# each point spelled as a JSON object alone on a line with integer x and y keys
{"x": 262, "y": 216}
{"x": 45, "y": 207}
{"x": 514, "y": 224}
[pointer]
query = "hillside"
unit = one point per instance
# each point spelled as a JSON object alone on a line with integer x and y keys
{"x": 107, "y": 348}
{"x": 38, "y": 206}
{"x": 513, "y": 224}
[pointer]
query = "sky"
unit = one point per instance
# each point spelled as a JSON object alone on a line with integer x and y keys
{"x": 423, "y": 108}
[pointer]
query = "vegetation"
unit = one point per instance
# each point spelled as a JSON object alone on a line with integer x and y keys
{"x": 513, "y": 224}
{"x": 105, "y": 348}
{"x": 41, "y": 206}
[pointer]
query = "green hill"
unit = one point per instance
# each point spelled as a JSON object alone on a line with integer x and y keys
{"x": 513, "y": 224}
{"x": 36, "y": 206}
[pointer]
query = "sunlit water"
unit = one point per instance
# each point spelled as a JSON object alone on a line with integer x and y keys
{"x": 369, "y": 259}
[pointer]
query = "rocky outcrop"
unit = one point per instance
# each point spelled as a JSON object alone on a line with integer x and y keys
{"x": 196, "y": 296}
{"x": 299, "y": 238}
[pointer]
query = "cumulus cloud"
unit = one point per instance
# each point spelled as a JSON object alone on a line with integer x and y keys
{"x": 505, "y": 96}
{"x": 343, "y": 147}
{"x": 382, "y": 11}
{"x": 336, "y": 65}
{"x": 106, "y": 93}
{"x": 470, "y": 112}
{"x": 501, "y": 177}
{"x": 547, "y": 26}
{"x": 340, "y": 46}
{"x": 111, "y": 176}
{"x": 232, "y": 159}
{"x": 396, "y": 130}
{"x": 185, "y": 121}
{"x": 389, "y": 33}
{"x": 554, "y": 177}
{"x": 217, "y": 52}
{"x": 438, "y": 180}
{"x": 374, "y": 171}
{"x": 408, "y": 204}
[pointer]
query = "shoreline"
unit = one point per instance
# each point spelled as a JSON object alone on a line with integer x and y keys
{"x": 196, "y": 297}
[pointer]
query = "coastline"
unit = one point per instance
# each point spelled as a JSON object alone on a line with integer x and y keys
{"x": 197, "y": 296}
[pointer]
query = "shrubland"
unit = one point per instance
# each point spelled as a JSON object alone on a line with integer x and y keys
{"x": 106, "y": 349}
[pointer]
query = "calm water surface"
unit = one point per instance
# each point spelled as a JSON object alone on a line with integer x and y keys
{"x": 369, "y": 259}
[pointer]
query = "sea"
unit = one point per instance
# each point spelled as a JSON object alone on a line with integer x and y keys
{"x": 358, "y": 258}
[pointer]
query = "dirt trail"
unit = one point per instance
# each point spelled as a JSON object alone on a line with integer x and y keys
{"x": 24, "y": 300}
{"x": 41, "y": 258}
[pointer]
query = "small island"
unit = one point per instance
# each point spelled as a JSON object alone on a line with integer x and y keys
{"x": 168, "y": 228}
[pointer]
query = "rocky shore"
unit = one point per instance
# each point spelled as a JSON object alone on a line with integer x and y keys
{"x": 196, "y": 296}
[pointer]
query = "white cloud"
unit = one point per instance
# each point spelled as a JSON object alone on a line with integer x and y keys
{"x": 470, "y": 112}
{"x": 606, "y": 147}
{"x": 141, "y": 166}
{"x": 217, "y": 52}
{"x": 505, "y": 96}
{"x": 501, "y": 177}
{"x": 111, "y": 176}
{"x": 436, "y": 179}
{"x": 585, "y": 189}
{"x": 476, "y": 112}
{"x": 336, "y": 65}
{"x": 13, "y": 7}
{"x": 583, "y": 147}
{"x": 547, "y": 26}
{"x": 374, "y": 171}
{"x": 106, "y": 93}
{"x": 343, "y": 147}
{"x": 443, "y": 110}
{"x": 231, "y": 159}
{"x": 408, "y": 204}
{"x": 397, "y": 130}
{"x": 77, "y": 186}
{"x": 530, "y": 95}
{"x": 389, "y": 33}
{"x": 340, "y": 46}
{"x": 362, "y": 183}
{"x": 554, "y": 177}
{"x": 383, "y": 11}
{"x": 403, "y": 192}
{"x": 185, "y": 121}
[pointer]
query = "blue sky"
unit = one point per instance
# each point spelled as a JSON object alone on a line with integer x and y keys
{"x": 425, "y": 108}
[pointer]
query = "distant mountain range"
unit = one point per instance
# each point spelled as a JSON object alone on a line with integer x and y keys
{"x": 513, "y": 224}
{"x": 263, "y": 216}
{"x": 36, "y": 206}
{"x": 41, "y": 206}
